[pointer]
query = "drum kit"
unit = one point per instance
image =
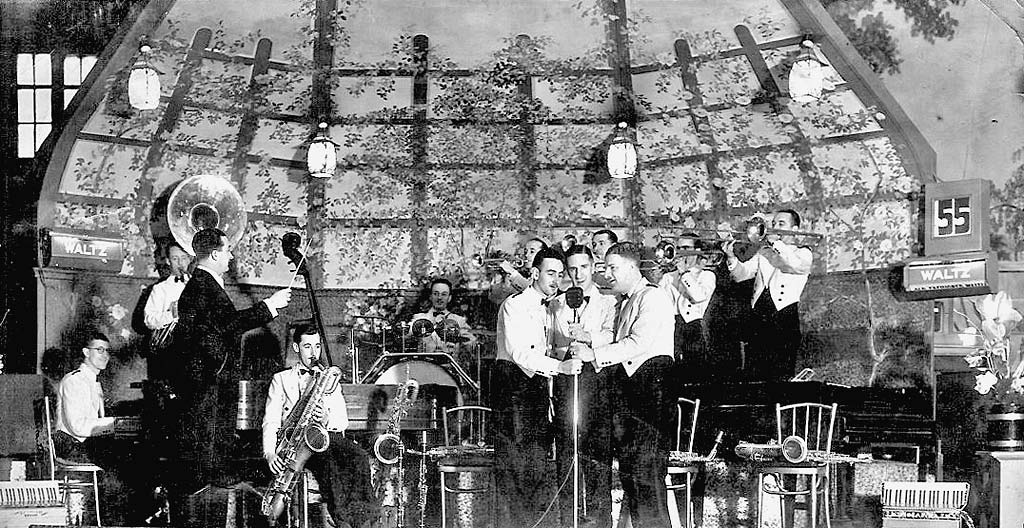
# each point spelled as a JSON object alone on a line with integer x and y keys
{"x": 396, "y": 353}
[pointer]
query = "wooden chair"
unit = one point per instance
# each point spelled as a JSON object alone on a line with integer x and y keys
{"x": 466, "y": 427}
{"x": 686, "y": 415}
{"x": 814, "y": 423}
{"x": 65, "y": 468}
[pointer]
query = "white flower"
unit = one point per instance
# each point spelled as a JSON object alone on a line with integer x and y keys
{"x": 974, "y": 361}
{"x": 984, "y": 382}
{"x": 1017, "y": 385}
{"x": 117, "y": 312}
{"x": 125, "y": 334}
{"x": 998, "y": 315}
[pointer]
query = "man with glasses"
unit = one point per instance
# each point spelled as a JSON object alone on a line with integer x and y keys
{"x": 84, "y": 433}
{"x": 208, "y": 342}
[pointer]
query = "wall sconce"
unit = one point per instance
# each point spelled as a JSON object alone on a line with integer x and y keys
{"x": 322, "y": 157}
{"x": 144, "y": 81}
{"x": 807, "y": 76}
{"x": 622, "y": 154}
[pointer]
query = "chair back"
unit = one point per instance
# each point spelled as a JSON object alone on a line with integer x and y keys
{"x": 466, "y": 425}
{"x": 813, "y": 422}
{"x": 50, "y": 452}
{"x": 686, "y": 423}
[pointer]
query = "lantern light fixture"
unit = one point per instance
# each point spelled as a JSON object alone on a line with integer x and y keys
{"x": 144, "y": 81}
{"x": 622, "y": 159}
{"x": 322, "y": 156}
{"x": 807, "y": 77}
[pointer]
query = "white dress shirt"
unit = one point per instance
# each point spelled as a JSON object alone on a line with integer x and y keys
{"x": 785, "y": 278}
{"x": 80, "y": 411}
{"x": 597, "y": 316}
{"x": 158, "y": 306}
{"x": 285, "y": 390}
{"x": 644, "y": 328}
{"x": 524, "y": 333}
{"x": 690, "y": 291}
{"x": 433, "y": 342}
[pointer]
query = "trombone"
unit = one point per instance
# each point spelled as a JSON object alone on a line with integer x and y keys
{"x": 755, "y": 231}
{"x": 496, "y": 263}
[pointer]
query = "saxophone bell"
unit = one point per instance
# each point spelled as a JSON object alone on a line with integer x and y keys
{"x": 388, "y": 448}
{"x": 317, "y": 438}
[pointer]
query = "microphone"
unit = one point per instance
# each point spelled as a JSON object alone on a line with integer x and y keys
{"x": 574, "y": 297}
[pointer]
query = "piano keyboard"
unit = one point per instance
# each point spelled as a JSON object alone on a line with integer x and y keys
{"x": 29, "y": 494}
{"x": 127, "y": 427}
{"x": 31, "y": 503}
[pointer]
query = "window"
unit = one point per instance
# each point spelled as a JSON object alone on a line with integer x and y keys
{"x": 76, "y": 69}
{"x": 35, "y": 91}
{"x": 34, "y": 115}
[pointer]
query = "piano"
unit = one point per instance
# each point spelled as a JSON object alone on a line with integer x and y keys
{"x": 869, "y": 417}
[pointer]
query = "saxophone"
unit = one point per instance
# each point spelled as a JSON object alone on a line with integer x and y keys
{"x": 388, "y": 447}
{"x": 299, "y": 437}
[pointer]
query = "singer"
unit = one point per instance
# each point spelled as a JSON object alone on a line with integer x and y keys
{"x": 584, "y": 314}
{"x": 520, "y": 402}
{"x": 641, "y": 358}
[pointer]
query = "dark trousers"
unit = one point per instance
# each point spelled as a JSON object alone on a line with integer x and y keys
{"x": 595, "y": 443}
{"x": 343, "y": 473}
{"x": 645, "y": 414}
{"x": 120, "y": 485}
{"x": 775, "y": 340}
{"x": 521, "y": 442}
{"x": 691, "y": 351}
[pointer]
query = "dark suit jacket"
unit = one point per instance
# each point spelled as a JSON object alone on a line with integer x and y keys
{"x": 207, "y": 339}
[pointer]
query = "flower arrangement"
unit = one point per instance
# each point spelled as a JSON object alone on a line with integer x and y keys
{"x": 997, "y": 356}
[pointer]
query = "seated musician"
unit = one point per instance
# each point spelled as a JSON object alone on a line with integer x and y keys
{"x": 343, "y": 470}
{"x": 84, "y": 433}
{"x": 690, "y": 286}
{"x": 452, "y": 333}
{"x": 780, "y": 271}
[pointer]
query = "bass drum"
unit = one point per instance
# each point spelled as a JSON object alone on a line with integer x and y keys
{"x": 436, "y": 380}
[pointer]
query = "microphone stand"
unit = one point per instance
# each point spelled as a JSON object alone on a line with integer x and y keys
{"x": 575, "y": 439}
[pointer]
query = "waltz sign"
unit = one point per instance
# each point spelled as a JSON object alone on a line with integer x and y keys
{"x": 953, "y": 276}
{"x": 68, "y": 250}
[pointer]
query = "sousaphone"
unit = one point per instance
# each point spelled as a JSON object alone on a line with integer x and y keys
{"x": 205, "y": 201}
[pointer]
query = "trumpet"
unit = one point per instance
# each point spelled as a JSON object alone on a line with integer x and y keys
{"x": 668, "y": 256}
{"x": 496, "y": 263}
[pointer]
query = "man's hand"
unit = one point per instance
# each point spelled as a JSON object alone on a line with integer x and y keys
{"x": 581, "y": 351}
{"x": 174, "y": 309}
{"x": 729, "y": 250}
{"x": 570, "y": 366}
{"x": 577, "y": 333}
{"x": 280, "y": 299}
{"x": 277, "y": 465}
{"x": 319, "y": 414}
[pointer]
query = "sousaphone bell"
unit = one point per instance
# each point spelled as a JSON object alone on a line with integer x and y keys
{"x": 205, "y": 201}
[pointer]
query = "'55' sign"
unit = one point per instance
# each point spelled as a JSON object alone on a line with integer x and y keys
{"x": 952, "y": 216}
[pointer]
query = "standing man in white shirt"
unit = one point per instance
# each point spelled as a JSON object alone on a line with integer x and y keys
{"x": 641, "y": 356}
{"x": 690, "y": 287}
{"x": 520, "y": 400}
{"x": 343, "y": 470}
{"x": 452, "y": 333}
{"x": 162, "y": 306}
{"x": 780, "y": 273}
{"x": 593, "y": 323}
{"x": 601, "y": 241}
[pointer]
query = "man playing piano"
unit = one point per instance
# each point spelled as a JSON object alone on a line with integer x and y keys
{"x": 343, "y": 470}
{"x": 84, "y": 433}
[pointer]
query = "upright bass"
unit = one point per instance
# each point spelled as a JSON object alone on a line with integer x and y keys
{"x": 301, "y": 433}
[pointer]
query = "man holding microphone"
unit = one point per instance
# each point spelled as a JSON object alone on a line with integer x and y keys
{"x": 588, "y": 316}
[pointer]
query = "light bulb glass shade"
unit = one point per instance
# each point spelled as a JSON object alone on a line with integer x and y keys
{"x": 622, "y": 159}
{"x": 144, "y": 87}
{"x": 322, "y": 157}
{"x": 806, "y": 80}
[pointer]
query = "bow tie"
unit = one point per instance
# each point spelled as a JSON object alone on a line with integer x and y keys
{"x": 304, "y": 372}
{"x": 545, "y": 302}
{"x": 586, "y": 298}
{"x": 180, "y": 279}
{"x": 440, "y": 313}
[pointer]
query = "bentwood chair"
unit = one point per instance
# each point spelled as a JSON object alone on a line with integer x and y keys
{"x": 680, "y": 462}
{"x": 467, "y": 461}
{"x": 66, "y": 468}
{"x": 814, "y": 423}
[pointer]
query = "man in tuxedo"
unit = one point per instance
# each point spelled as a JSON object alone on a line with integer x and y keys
{"x": 208, "y": 338}
{"x": 780, "y": 273}
{"x": 343, "y": 469}
{"x": 593, "y": 323}
{"x": 520, "y": 400}
{"x": 641, "y": 357}
{"x": 452, "y": 333}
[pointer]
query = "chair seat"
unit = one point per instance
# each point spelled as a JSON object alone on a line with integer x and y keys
{"x": 680, "y": 470}
{"x": 71, "y": 465}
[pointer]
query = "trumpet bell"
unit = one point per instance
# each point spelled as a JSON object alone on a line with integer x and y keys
{"x": 205, "y": 201}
